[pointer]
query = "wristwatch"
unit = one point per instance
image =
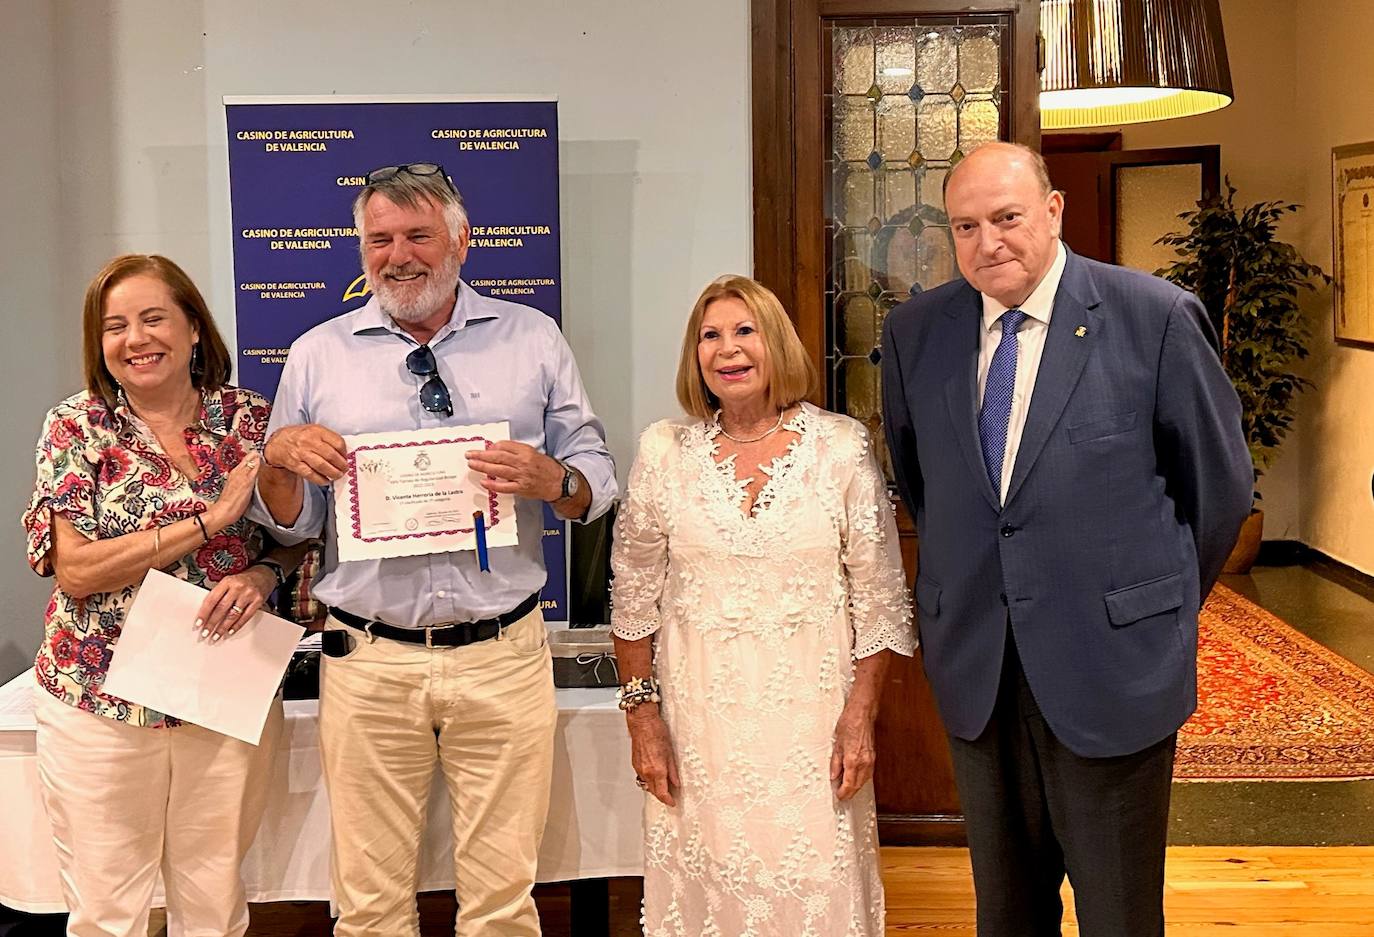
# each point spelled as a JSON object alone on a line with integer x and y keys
{"x": 276, "y": 570}
{"x": 571, "y": 483}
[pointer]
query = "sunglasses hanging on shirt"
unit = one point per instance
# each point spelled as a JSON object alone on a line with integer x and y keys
{"x": 434, "y": 395}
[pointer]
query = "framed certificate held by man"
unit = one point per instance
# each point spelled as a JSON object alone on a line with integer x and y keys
{"x": 411, "y": 493}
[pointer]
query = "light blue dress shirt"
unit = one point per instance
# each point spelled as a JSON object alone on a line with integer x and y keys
{"x": 501, "y": 361}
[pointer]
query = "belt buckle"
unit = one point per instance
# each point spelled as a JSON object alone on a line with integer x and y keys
{"x": 367, "y": 630}
{"x": 429, "y": 636}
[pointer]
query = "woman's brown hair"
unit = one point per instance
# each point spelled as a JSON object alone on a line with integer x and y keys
{"x": 210, "y": 370}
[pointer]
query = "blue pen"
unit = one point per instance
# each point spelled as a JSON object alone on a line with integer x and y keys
{"x": 481, "y": 523}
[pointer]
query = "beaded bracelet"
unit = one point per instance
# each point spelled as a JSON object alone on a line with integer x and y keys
{"x": 636, "y": 691}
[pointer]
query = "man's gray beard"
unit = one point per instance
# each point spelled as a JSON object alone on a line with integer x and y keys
{"x": 438, "y": 293}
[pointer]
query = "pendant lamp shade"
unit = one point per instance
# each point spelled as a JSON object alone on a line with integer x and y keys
{"x": 1110, "y": 62}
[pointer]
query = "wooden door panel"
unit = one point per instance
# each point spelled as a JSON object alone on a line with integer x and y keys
{"x": 1087, "y": 219}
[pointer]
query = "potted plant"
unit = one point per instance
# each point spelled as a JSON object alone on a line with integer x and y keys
{"x": 1249, "y": 281}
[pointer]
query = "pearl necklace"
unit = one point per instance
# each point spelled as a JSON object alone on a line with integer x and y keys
{"x": 764, "y": 435}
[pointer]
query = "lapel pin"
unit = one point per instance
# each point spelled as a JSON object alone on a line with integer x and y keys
{"x": 1081, "y": 331}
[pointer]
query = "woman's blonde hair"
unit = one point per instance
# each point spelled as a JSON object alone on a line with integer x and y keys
{"x": 792, "y": 373}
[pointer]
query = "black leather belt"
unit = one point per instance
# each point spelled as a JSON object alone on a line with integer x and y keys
{"x": 454, "y": 634}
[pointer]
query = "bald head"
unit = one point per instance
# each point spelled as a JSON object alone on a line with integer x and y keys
{"x": 1015, "y": 153}
{"x": 1005, "y": 218}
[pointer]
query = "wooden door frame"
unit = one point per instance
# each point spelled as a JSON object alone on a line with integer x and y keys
{"x": 1207, "y": 157}
{"x": 1107, "y": 163}
{"x": 790, "y": 254}
{"x": 788, "y": 165}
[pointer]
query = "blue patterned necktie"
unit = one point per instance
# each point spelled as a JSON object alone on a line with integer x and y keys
{"x": 995, "y": 415}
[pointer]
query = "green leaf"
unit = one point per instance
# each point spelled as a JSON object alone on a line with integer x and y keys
{"x": 1249, "y": 281}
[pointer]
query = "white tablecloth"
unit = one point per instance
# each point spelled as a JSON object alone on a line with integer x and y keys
{"x": 595, "y": 826}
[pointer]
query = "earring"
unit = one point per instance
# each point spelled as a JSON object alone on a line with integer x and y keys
{"x": 195, "y": 359}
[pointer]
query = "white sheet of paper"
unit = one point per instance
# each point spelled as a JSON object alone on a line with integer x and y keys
{"x": 16, "y": 703}
{"x": 226, "y": 685}
{"x": 411, "y": 493}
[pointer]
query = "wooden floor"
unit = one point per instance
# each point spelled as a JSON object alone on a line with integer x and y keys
{"x": 1251, "y": 891}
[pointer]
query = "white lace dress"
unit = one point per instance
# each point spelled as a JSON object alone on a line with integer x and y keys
{"x": 758, "y": 620}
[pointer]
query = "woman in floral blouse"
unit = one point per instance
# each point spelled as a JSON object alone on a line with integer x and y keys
{"x": 151, "y": 467}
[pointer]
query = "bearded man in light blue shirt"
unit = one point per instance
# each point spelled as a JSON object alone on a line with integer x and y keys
{"x": 429, "y": 657}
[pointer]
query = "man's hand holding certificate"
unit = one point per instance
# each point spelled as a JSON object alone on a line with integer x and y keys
{"x": 411, "y": 493}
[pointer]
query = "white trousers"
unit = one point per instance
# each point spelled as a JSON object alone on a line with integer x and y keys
{"x": 486, "y": 714}
{"x": 127, "y": 801}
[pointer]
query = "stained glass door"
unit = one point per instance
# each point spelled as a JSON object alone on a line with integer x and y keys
{"x": 906, "y": 101}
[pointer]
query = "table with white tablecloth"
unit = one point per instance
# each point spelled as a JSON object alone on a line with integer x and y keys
{"x": 595, "y": 827}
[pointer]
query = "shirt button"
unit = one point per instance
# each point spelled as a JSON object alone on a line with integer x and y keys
{"x": 1007, "y": 530}
{"x": 440, "y": 593}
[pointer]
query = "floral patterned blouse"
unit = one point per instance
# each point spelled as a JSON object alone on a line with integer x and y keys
{"x": 106, "y": 473}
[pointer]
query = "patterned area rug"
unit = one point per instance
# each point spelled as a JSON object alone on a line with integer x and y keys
{"x": 1272, "y": 703}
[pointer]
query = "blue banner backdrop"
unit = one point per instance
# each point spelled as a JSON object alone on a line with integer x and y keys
{"x": 295, "y": 165}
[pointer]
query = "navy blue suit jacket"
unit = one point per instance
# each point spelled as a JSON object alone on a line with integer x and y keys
{"x": 1130, "y": 484}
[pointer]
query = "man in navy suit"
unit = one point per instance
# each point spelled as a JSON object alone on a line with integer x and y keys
{"x": 1071, "y": 449}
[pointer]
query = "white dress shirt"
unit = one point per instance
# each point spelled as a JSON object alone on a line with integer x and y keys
{"x": 500, "y": 361}
{"x": 1030, "y": 344}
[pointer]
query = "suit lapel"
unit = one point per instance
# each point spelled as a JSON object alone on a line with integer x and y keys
{"x": 1074, "y": 327}
{"x": 961, "y": 389}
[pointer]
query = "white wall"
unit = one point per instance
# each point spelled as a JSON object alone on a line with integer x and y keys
{"x": 1304, "y": 75}
{"x": 1336, "y": 68}
{"x": 1259, "y": 154}
{"x": 41, "y": 346}
{"x": 655, "y": 162}
{"x": 655, "y": 154}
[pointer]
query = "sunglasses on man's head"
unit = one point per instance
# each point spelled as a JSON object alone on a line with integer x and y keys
{"x": 414, "y": 169}
{"x": 434, "y": 395}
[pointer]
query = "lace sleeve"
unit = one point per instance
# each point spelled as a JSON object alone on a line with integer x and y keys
{"x": 639, "y": 552}
{"x": 879, "y": 601}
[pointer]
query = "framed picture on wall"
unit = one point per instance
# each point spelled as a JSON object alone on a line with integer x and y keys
{"x": 1352, "y": 222}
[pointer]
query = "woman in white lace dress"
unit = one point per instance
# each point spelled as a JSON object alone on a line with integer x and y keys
{"x": 758, "y": 582}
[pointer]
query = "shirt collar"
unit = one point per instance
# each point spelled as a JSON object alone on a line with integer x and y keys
{"x": 1039, "y": 305}
{"x": 469, "y": 307}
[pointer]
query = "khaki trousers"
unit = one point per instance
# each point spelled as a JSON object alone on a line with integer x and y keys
{"x": 486, "y": 713}
{"x": 126, "y": 801}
